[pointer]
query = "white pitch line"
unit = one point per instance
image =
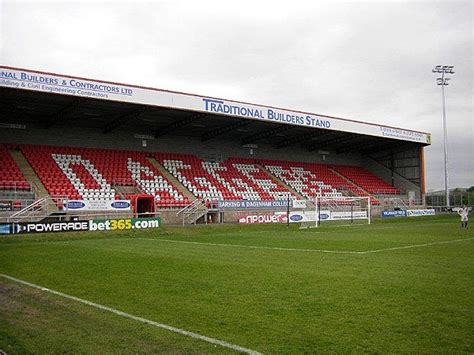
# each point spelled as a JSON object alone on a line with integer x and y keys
{"x": 418, "y": 245}
{"x": 312, "y": 250}
{"x": 136, "y": 318}
{"x": 257, "y": 247}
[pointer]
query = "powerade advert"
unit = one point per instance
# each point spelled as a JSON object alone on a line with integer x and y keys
{"x": 77, "y": 226}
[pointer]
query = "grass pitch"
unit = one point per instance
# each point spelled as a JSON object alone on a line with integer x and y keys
{"x": 401, "y": 285}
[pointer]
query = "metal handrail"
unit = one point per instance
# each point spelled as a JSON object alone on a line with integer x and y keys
{"x": 28, "y": 208}
{"x": 188, "y": 208}
{"x": 193, "y": 211}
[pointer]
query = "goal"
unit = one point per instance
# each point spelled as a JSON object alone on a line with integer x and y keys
{"x": 341, "y": 211}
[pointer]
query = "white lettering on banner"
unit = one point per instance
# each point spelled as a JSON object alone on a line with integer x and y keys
{"x": 54, "y": 227}
{"x": 52, "y": 83}
{"x": 276, "y": 217}
{"x": 123, "y": 224}
{"x": 252, "y": 204}
{"x": 335, "y": 215}
{"x": 415, "y": 213}
{"x": 66, "y": 162}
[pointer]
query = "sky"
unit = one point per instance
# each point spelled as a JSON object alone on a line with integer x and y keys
{"x": 370, "y": 61}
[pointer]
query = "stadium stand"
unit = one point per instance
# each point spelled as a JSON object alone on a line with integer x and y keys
{"x": 310, "y": 179}
{"x": 91, "y": 174}
{"x": 368, "y": 181}
{"x": 98, "y": 174}
{"x": 217, "y": 150}
{"x": 11, "y": 178}
{"x": 233, "y": 179}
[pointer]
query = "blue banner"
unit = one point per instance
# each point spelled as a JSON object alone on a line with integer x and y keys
{"x": 5, "y": 228}
{"x": 397, "y": 213}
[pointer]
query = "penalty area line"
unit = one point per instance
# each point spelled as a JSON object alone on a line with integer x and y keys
{"x": 136, "y": 318}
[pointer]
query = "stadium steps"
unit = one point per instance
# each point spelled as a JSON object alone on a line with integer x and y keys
{"x": 357, "y": 187}
{"x": 29, "y": 173}
{"x": 125, "y": 191}
{"x": 280, "y": 183}
{"x": 171, "y": 178}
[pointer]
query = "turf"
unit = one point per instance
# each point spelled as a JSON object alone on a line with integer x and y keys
{"x": 269, "y": 288}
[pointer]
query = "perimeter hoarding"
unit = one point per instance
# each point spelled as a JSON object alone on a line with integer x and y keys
{"x": 80, "y": 226}
{"x": 298, "y": 217}
{"x": 98, "y": 205}
{"x": 67, "y": 85}
{"x": 409, "y": 213}
{"x": 251, "y": 204}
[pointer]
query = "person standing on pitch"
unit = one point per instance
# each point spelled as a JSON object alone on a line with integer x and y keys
{"x": 463, "y": 212}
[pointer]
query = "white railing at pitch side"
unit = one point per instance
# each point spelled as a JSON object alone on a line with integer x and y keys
{"x": 28, "y": 211}
{"x": 25, "y": 211}
{"x": 192, "y": 212}
{"x": 39, "y": 209}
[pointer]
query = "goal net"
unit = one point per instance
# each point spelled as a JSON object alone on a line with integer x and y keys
{"x": 340, "y": 211}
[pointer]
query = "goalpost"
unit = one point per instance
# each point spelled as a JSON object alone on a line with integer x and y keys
{"x": 341, "y": 211}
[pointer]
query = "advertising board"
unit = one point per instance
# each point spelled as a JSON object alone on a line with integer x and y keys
{"x": 49, "y": 227}
{"x": 80, "y": 226}
{"x": 396, "y": 213}
{"x": 245, "y": 204}
{"x": 24, "y": 79}
{"x": 5, "y": 206}
{"x": 124, "y": 224}
{"x": 98, "y": 205}
{"x": 275, "y": 217}
{"x": 347, "y": 215}
{"x": 417, "y": 213}
{"x": 309, "y": 216}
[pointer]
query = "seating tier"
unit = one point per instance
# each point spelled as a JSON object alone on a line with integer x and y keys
{"x": 368, "y": 181}
{"x": 309, "y": 180}
{"x": 233, "y": 179}
{"x": 11, "y": 177}
{"x": 312, "y": 179}
{"x": 90, "y": 174}
{"x": 93, "y": 174}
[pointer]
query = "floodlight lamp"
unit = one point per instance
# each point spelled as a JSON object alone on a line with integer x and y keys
{"x": 441, "y": 81}
{"x": 448, "y": 69}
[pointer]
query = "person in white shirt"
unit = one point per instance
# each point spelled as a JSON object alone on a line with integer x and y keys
{"x": 464, "y": 212}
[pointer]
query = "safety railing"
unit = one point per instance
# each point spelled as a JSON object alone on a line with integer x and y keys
{"x": 192, "y": 212}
